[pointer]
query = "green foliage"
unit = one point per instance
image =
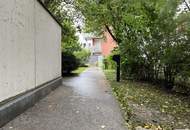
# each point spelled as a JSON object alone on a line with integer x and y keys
{"x": 69, "y": 62}
{"x": 109, "y": 63}
{"x": 153, "y": 37}
{"x": 82, "y": 56}
{"x": 80, "y": 70}
{"x": 69, "y": 39}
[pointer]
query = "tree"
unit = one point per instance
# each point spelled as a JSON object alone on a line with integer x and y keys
{"x": 153, "y": 38}
{"x": 83, "y": 56}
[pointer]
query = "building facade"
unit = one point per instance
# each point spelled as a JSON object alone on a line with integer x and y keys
{"x": 108, "y": 44}
{"x": 100, "y": 47}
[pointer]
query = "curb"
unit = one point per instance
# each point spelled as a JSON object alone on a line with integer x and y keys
{"x": 19, "y": 104}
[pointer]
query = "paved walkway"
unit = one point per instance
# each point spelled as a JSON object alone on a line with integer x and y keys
{"x": 83, "y": 102}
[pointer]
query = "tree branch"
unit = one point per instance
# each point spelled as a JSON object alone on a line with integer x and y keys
{"x": 187, "y": 5}
{"x": 110, "y": 32}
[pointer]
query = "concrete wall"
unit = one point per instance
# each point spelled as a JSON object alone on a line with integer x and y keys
{"x": 48, "y": 47}
{"x": 30, "y": 50}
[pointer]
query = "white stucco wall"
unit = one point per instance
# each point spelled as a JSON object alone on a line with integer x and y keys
{"x": 48, "y": 54}
{"x": 29, "y": 47}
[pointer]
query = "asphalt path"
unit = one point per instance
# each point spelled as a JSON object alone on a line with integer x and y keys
{"x": 82, "y": 102}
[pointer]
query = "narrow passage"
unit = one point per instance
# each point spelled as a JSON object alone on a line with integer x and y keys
{"x": 83, "y": 102}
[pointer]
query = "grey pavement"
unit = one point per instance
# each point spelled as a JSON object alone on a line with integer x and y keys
{"x": 83, "y": 102}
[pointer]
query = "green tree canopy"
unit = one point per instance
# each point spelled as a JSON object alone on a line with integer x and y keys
{"x": 153, "y": 36}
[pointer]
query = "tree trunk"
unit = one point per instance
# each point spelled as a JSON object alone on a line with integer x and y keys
{"x": 169, "y": 78}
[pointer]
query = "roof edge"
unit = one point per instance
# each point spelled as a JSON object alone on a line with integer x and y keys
{"x": 41, "y": 3}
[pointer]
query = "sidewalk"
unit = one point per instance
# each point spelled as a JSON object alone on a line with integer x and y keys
{"x": 83, "y": 102}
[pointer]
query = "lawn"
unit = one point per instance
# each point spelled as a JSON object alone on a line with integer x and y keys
{"x": 150, "y": 106}
{"x": 79, "y": 70}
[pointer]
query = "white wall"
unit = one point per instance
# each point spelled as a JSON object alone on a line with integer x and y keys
{"x": 48, "y": 46}
{"x": 97, "y": 46}
{"x": 27, "y": 59}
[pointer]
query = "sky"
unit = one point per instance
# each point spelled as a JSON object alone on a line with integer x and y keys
{"x": 183, "y": 6}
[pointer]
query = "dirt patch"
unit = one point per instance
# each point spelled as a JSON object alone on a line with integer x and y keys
{"x": 142, "y": 114}
{"x": 150, "y": 106}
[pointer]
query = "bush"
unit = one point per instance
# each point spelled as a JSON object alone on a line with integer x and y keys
{"x": 109, "y": 63}
{"x": 69, "y": 62}
{"x": 82, "y": 56}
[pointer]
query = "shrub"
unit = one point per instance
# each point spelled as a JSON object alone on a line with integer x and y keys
{"x": 82, "y": 56}
{"x": 69, "y": 62}
{"x": 109, "y": 63}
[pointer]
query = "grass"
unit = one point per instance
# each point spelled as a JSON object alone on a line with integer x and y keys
{"x": 79, "y": 70}
{"x": 75, "y": 72}
{"x": 168, "y": 110}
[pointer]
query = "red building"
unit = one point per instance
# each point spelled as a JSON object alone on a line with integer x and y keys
{"x": 99, "y": 47}
{"x": 108, "y": 44}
